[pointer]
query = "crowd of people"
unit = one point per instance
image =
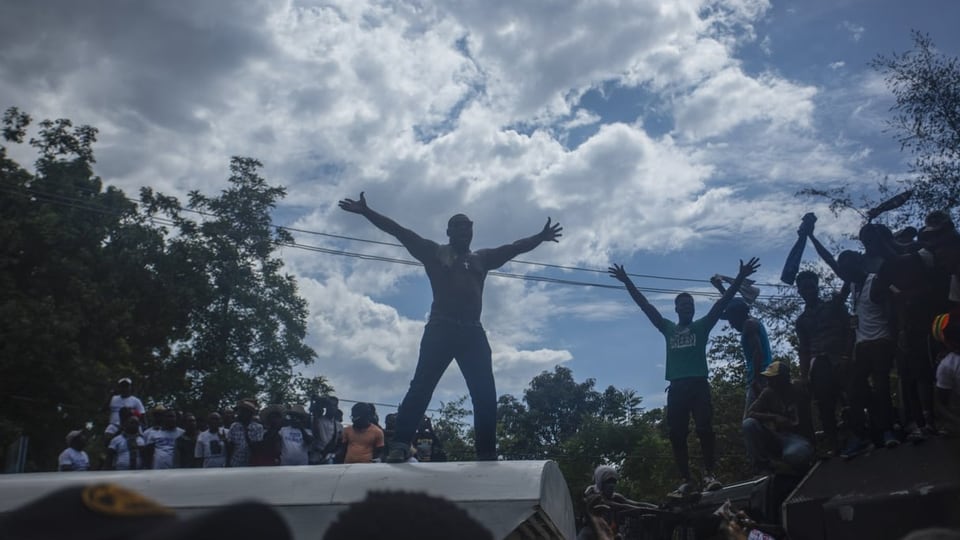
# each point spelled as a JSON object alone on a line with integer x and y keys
{"x": 244, "y": 436}
{"x": 904, "y": 292}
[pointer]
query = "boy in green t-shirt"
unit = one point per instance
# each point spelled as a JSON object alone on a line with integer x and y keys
{"x": 686, "y": 366}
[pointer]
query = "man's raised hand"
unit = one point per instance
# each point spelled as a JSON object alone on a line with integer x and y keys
{"x": 356, "y": 207}
{"x": 749, "y": 268}
{"x": 618, "y": 273}
{"x": 551, "y": 233}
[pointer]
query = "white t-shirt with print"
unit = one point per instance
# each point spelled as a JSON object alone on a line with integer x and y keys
{"x": 293, "y": 450}
{"x": 121, "y": 445}
{"x": 212, "y": 448}
{"x": 164, "y": 446}
{"x": 118, "y": 402}
{"x": 872, "y": 322}
{"x": 74, "y": 460}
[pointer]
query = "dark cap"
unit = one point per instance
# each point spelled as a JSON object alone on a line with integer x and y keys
{"x": 776, "y": 369}
{"x": 736, "y": 307}
{"x": 112, "y": 512}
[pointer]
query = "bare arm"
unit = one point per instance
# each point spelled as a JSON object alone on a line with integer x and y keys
{"x": 824, "y": 254}
{"x": 417, "y": 246}
{"x": 746, "y": 269}
{"x": 497, "y": 257}
{"x": 751, "y": 329}
{"x": 617, "y": 272}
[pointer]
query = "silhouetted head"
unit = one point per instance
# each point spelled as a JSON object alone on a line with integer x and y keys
{"x": 808, "y": 286}
{"x": 125, "y": 386}
{"x": 736, "y": 313}
{"x": 777, "y": 375}
{"x": 460, "y": 232}
{"x": 168, "y": 419}
{"x": 850, "y": 266}
{"x": 685, "y": 307}
{"x": 396, "y": 514}
{"x": 77, "y": 440}
{"x": 132, "y": 425}
{"x": 362, "y": 415}
{"x": 214, "y": 421}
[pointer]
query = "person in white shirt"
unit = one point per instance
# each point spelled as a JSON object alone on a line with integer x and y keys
{"x": 295, "y": 438}
{"x": 122, "y": 398}
{"x": 946, "y": 329}
{"x": 74, "y": 458}
{"x": 161, "y": 443}
{"x": 124, "y": 450}
{"x": 327, "y": 430}
{"x": 211, "y": 447}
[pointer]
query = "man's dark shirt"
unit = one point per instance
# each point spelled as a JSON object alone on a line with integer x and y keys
{"x": 824, "y": 329}
{"x": 457, "y": 280}
{"x": 923, "y": 291}
{"x": 789, "y": 404}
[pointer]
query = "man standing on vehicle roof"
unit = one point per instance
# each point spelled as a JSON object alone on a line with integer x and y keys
{"x": 686, "y": 367}
{"x": 453, "y": 331}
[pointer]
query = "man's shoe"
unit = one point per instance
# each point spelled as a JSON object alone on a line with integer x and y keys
{"x": 914, "y": 434}
{"x": 682, "y": 492}
{"x": 398, "y": 453}
{"x": 710, "y": 483}
{"x": 889, "y": 440}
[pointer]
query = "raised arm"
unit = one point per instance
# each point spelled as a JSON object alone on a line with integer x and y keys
{"x": 417, "y": 246}
{"x": 746, "y": 270}
{"x": 497, "y": 257}
{"x": 617, "y": 272}
{"x": 824, "y": 254}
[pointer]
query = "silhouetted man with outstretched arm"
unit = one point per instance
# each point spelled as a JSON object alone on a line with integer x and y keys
{"x": 453, "y": 331}
{"x": 686, "y": 366}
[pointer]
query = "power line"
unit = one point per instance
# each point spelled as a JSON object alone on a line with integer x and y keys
{"x": 64, "y": 200}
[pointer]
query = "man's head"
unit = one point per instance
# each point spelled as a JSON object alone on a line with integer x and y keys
{"x": 246, "y": 409}
{"x": 362, "y": 414}
{"x": 168, "y": 419}
{"x": 685, "y": 307}
{"x": 777, "y": 375}
{"x": 605, "y": 480}
{"x": 125, "y": 386}
{"x": 229, "y": 415}
{"x": 460, "y": 231}
{"x": 330, "y": 411}
{"x": 76, "y": 440}
{"x": 737, "y": 313}
{"x": 189, "y": 421}
{"x": 808, "y": 286}
{"x": 299, "y": 417}
{"x": 214, "y": 421}
{"x": 850, "y": 266}
{"x": 132, "y": 425}
{"x": 400, "y": 513}
{"x": 272, "y": 416}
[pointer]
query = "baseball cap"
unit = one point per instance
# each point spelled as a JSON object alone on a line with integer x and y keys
{"x": 736, "y": 306}
{"x": 776, "y": 368}
{"x": 111, "y": 512}
{"x": 127, "y": 380}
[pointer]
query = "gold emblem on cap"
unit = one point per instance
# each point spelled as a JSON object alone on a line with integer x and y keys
{"x": 115, "y": 500}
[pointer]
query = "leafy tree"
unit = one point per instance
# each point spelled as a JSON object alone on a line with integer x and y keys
{"x": 83, "y": 300}
{"x": 247, "y": 328}
{"x": 454, "y": 431}
{"x": 926, "y": 85}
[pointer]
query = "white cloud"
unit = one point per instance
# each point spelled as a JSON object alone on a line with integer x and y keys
{"x": 435, "y": 109}
{"x": 856, "y": 31}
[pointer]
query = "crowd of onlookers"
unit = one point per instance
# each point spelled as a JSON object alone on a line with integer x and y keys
{"x": 244, "y": 436}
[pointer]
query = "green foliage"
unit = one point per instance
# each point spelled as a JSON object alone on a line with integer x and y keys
{"x": 94, "y": 287}
{"x": 926, "y": 85}
{"x": 452, "y": 428}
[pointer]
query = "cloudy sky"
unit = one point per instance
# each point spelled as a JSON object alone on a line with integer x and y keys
{"x": 668, "y": 135}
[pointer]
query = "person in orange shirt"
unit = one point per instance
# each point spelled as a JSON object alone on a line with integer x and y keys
{"x": 363, "y": 440}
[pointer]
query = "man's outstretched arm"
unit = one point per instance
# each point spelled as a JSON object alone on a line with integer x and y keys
{"x": 617, "y": 272}
{"x": 417, "y": 246}
{"x": 824, "y": 254}
{"x": 746, "y": 270}
{"x": 497, "y": 257}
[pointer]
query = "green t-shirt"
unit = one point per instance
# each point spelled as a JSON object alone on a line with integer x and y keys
{"x": 686, "y": 349}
